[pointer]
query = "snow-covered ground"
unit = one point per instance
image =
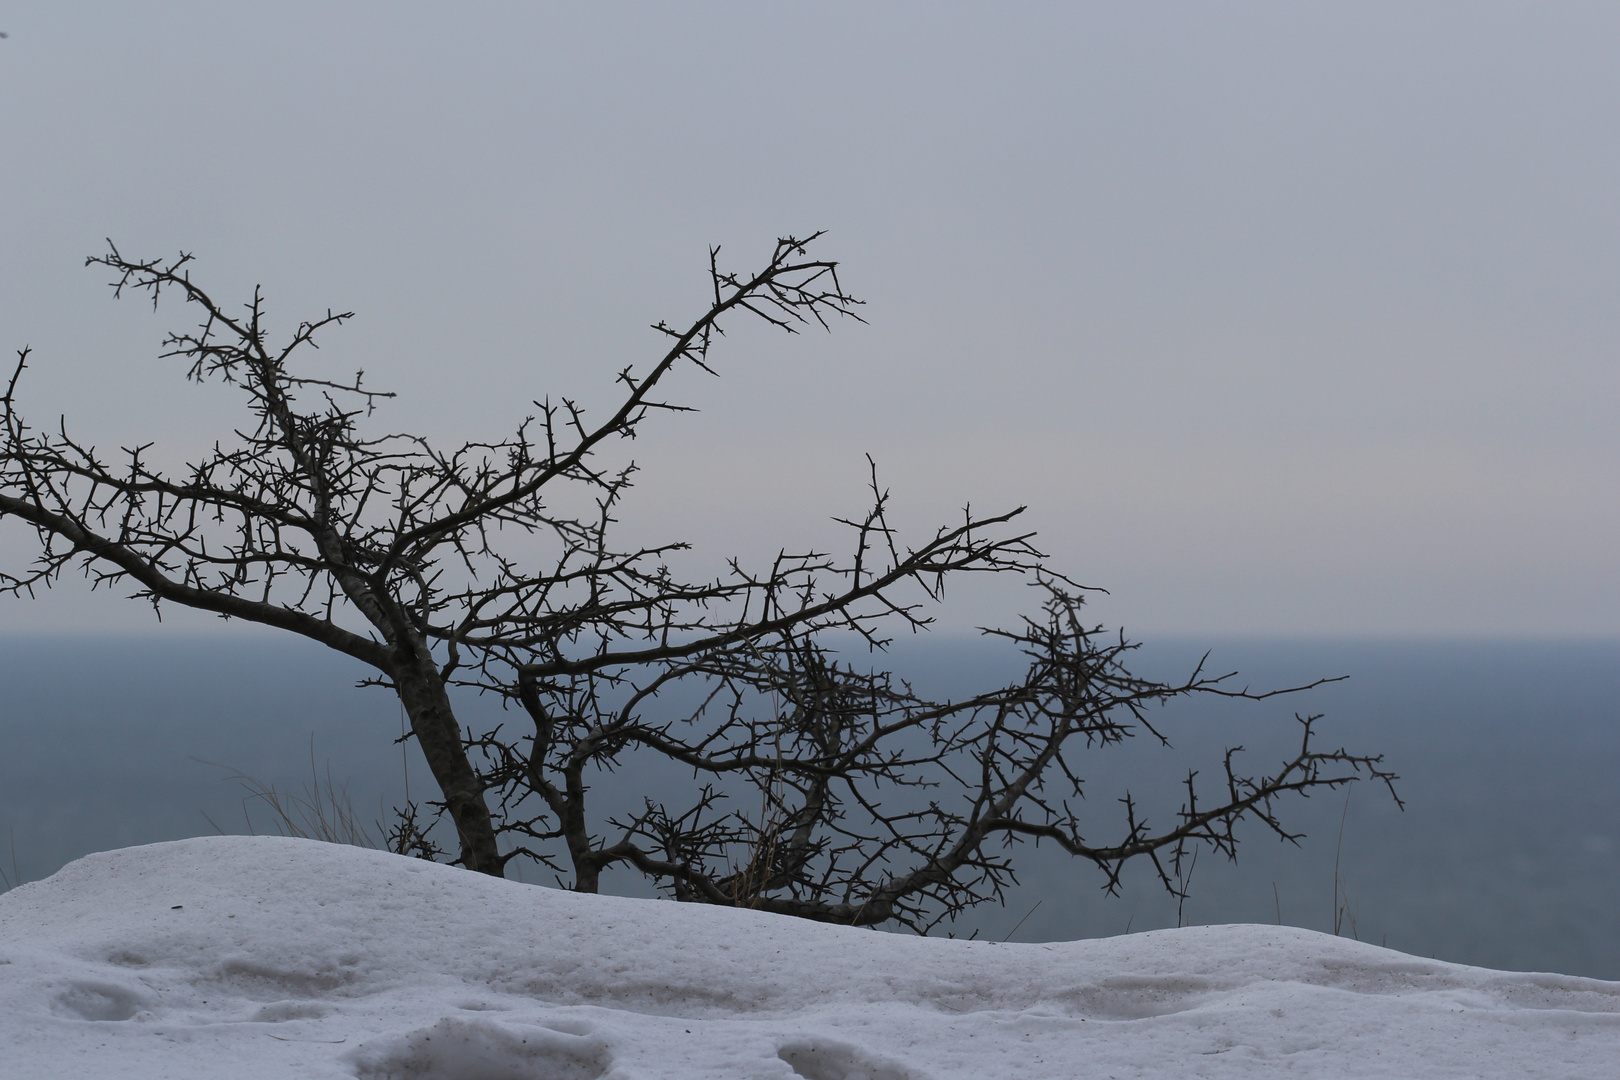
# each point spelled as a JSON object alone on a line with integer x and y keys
{"x": 251, "y": 957}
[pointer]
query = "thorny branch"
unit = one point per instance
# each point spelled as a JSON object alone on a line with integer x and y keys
{"x": 821, "y": 788}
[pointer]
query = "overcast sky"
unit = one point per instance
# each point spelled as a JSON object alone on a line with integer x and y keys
{"x": 1281, "y": 318}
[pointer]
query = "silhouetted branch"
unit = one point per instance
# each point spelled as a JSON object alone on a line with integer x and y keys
{"x": 821, "y": 789}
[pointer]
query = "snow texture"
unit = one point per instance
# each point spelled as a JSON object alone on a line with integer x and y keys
{"x": 248, "y": 957}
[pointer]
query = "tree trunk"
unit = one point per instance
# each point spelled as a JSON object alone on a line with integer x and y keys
{"x": 421, "y": 691}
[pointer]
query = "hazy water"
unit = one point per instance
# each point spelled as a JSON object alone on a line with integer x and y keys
{"x": 1508, "y": 854}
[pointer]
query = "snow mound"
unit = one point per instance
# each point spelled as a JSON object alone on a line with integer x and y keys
{"x": 252, "y": 957}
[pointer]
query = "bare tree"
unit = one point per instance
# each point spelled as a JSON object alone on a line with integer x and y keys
{"x": 823, "y": 788}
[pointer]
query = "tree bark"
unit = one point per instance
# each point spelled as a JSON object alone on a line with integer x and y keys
{"x": 438, "y": 733}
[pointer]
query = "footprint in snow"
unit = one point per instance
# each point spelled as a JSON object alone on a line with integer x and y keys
{"x": 466, "y": 1048}
{"x": 97, "y": 1001}
{"x": 825, "y": 1059}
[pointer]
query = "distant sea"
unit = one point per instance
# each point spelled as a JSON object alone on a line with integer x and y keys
{"x": 1507, "y": 855}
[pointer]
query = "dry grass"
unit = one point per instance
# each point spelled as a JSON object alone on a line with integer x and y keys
{"x": 323, "y": 810}
{"x": 13, "y": 879}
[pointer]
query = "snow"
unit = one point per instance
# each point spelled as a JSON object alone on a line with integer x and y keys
{"x": 252, "y": 957}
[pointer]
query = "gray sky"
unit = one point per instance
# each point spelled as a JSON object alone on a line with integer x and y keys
{"x": 1281, "y": 318}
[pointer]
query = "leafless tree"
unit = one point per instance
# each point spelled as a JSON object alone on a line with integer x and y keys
{"x": 823, "y": 788}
